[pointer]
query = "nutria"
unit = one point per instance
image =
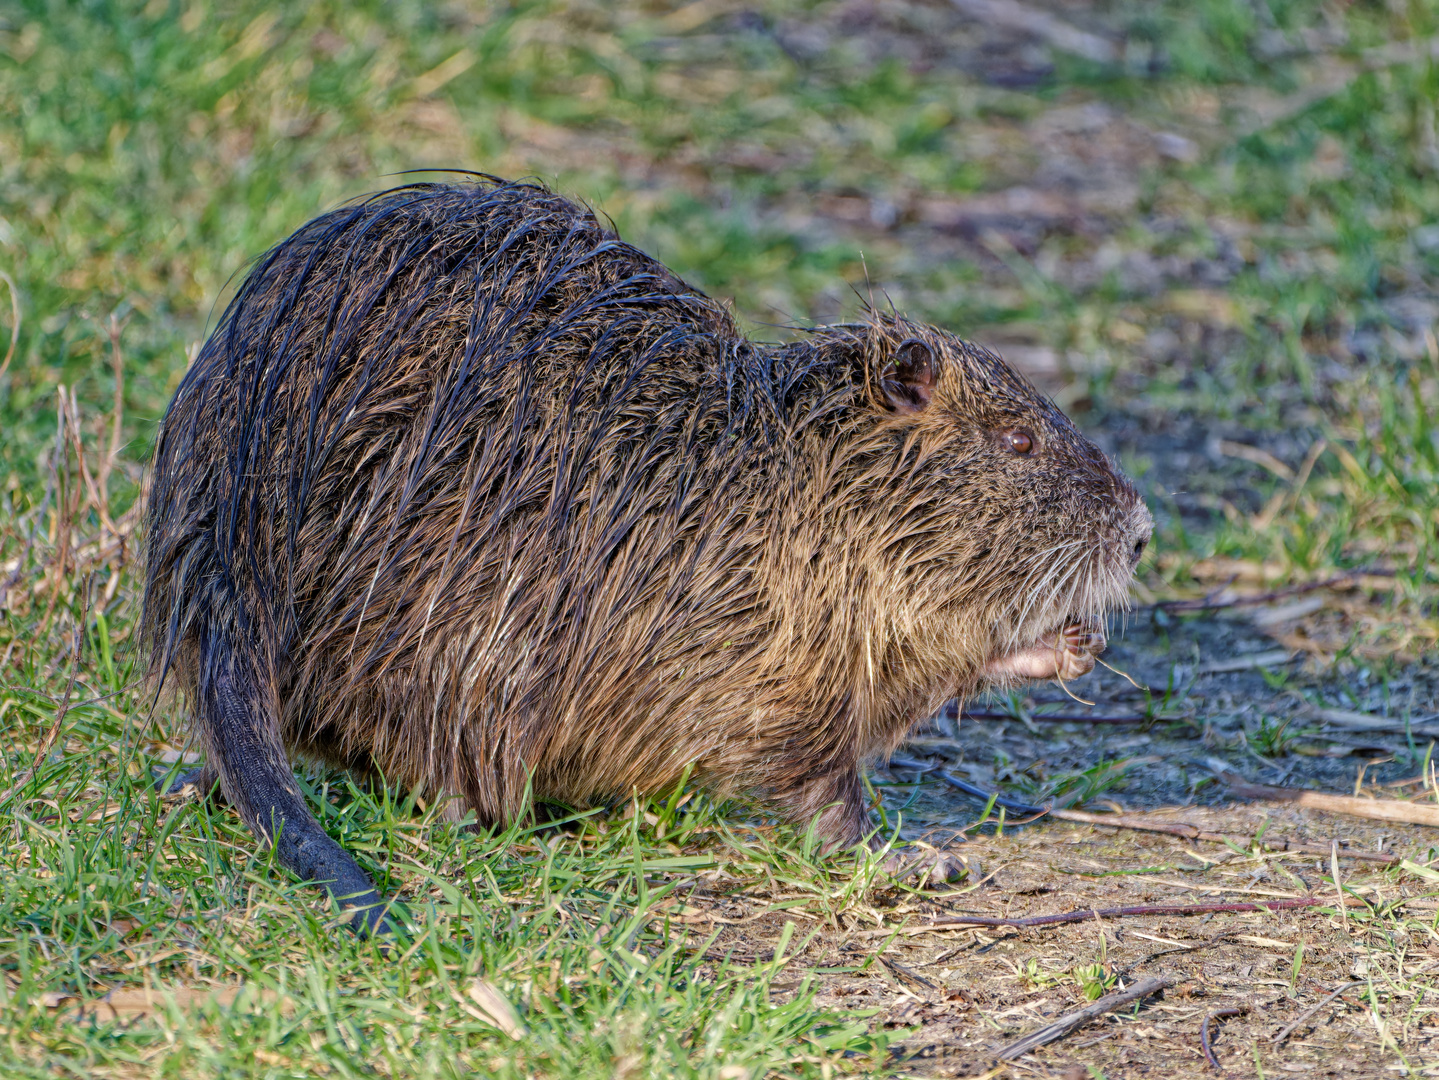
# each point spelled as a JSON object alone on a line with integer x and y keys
{"x": 465, "y": 492}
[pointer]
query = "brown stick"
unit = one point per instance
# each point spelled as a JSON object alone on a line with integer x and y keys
{"x": 1208, "y": 943}
{"x": 1370, "y": 809}
{"x": 1124, "y": 821}
{"x": 1217, "y": 1014}
{"x": 1357, "y": 721}
{"x": 97, "y": 499}
{"x": 1191, "y": 832}
{"x": 1336, "y": 74}
{"x": 1063, "y": 718}
{"x": 1058, "y": 1029}
{"x": 1307, "y": 1013}
{"x": 959, "y": 921}
{"x": 1012, "y": 15}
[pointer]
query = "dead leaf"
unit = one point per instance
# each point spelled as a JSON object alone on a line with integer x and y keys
{"x": 494, "y": 1008}
{"x": 134, "y": 1004}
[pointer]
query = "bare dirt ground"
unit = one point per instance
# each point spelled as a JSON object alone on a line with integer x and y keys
{"x": 960, "y": 993}
{"x": 1240, "y": 960}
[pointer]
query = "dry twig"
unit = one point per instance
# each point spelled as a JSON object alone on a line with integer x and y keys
{"x": 1217, "y": 1014}
{"x": 1207, "y": 943}
{"x": 1215, "y": 603}
{"x": 972, "y": 790}
{"x": 1061, "y": 718}
{"x": 1192, "y": 832}
{"x": 1125, "y": 821}
{"x": 1358, "y": 721}
{"x": 1335, "y": 74}
{"x": 1370, "y": 809}
{"x": 1285, "y": 1032}
{"x": 1058, "y": 1029}
{"x": 956, "y": 922}
{"x": 67, "y": 503}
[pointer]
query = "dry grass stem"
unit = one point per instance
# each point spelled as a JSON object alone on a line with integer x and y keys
{"x": 14, "y": 321}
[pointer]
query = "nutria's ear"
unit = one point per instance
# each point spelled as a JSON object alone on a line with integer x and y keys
{"x": 908, "y": 379}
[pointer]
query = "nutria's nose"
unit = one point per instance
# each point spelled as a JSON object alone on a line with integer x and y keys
{"x": 1141, "y": 529}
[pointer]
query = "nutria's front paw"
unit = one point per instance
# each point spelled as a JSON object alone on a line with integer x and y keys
{"x": 1064, "y": 655}
{"x": 930, "y": 866}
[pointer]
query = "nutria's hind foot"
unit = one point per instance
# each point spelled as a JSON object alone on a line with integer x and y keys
{"x": 836, "y": 805}
{"x": 832, "y": 803}
{"x": 925, "y": 865}
{"x": 551, "y": 819}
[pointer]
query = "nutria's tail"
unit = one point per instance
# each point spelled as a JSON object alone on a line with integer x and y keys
{"x": 237, "y": 720}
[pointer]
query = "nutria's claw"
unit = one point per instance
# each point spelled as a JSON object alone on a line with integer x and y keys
{"x": 1086, "y": 639}
{"x": 930, "y": 865}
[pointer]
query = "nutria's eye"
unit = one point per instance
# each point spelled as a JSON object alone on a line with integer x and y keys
{"x": 1019, "y": 442}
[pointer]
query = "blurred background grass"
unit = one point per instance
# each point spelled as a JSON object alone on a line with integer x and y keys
{"x": 1217, "y": 245}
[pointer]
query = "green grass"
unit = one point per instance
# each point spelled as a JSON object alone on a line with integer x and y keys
{"x": 118, "y": 887}
{"x": 147, "y": 152}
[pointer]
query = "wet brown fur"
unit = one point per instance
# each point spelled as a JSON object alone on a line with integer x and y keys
{"x": 480, "y": 493}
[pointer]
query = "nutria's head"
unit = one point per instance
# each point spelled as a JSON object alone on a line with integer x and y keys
{"x": 1008, "y": 537}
